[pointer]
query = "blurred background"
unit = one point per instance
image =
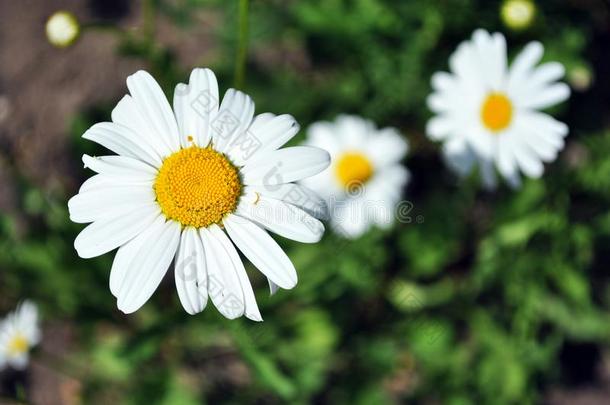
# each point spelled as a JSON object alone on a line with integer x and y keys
{"x": 472, "y": 297}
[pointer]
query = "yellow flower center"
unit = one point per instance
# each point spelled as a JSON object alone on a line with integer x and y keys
{"x": 353, "y": 168}
{"x": 197, "y": 187}
{"x": 496, "y": 112}
{"x": 18, "y": 345}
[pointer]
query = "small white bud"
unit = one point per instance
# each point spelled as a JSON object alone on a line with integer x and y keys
{"x": 518, "y": 14}
{"x": 62, "y": 29}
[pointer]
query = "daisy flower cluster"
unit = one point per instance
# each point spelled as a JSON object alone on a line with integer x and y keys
{"x": 195, "y": 182}
{"x": 19, "y": 333}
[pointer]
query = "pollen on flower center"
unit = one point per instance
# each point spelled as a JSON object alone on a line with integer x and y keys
{"x": 496, "y": 112}
{"x": 18, "y": 345}
{"x": 197, "y": 187}
{"x": 353, "y": 167}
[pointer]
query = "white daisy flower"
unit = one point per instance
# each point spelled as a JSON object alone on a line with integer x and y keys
{"x": 365, "y": 179}
{"x": 19, "y": 332}
{"x": 182, "y": 181}
{"x": 487, "y": 112}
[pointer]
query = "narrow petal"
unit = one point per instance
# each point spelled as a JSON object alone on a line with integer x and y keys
{"x": 262, "y": 251}
{"x": 224, "y": 286}
{"x": 524, "y": 63}
{"x": 234, "y": 117}
{"x": 439, "y": 127}
{"x": 20, "y": 361}
{"x": 109, "y": 233}
{"x": 89, "y": 206}
{"x": 120, "y": 166}
{"x": 251, "y": 308}
{"x": 148, "y": 265}
{"x": 297, "y": 195}
{"x": 267, "y": 133}
{"x": 126, "y": 253}
{"x": 273, "y": 288}
{"x": 546, "y": 97}
{"x": 286, "y": 165}
{"x": 126, "y": 113}
{"x": 459, "y": 156}
{"x": 190, "y": 272}
{"x": 196, "y": 107}
{"x": 528, "y": 161}
{"x": 123, "y": 141}
{"x": 387, "y": 147}
{"x": 506, "y": 162}
{"x": 154, "y": 107}
{"x": 281, "y": 218}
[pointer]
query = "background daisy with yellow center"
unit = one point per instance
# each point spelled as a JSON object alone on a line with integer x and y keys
{"x": 488, "y": 113}
{"x": 19, "y": 332}
{"x": 189, "y": 186}
{"x": 365, "y": 180}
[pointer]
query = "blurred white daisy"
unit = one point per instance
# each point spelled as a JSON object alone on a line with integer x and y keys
{"x": 185, "y": 179}
{"x": 365, "y": 179}
{"x": 488, "y": 113}
{"x": 19, "y": 332}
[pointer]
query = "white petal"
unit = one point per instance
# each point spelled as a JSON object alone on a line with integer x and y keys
{"x": 491, "y": 55}
{"x": 507, "y": 164}
{"x": 190, "y": 272}
{"x": 527, "y": 160}
{"x": 545, "y": 127}
{"x": 196, "y": 106}
{"x": 121, "y": 166}
{"x": 297, "y": 195}
{"x": 148, "y": 265}
{"x": 546, "y": 97}
{"x": 286, "y": 165}
{"x": 279, "y": 217}
{"x": 353, "y": 130}
{"x": 109, "y": 233}
{"x": 350, "y": 219}
{"x": 459, "y": 156}
{"x": 251, "y": 308}
{"x": 440, "y": 127}
{"x": 387, "y": 147}
{"x": 124, "y": 257}
{"x": 89, "y": 206}
{"x": 443, "y": 81}
{"x": 323, "y": 135}
{"x": 267, "y": 133}
{"x": 127, "y": 113}
{"x": 19, "y": 361}
{"x": 273, "y": 288}
{"x": 488, "y": 174}
{"x": 482, "y": 142}
{"x": 262, "y": 251}
{"x": 123, "y": 141}
{"x": 234, "y": 117}
{"x": 102, "y": 181}
{"x": 154, "y": 107}
{"x": 547, "y": 73}
{"x": 524, "y": 63}
{"x": 224, "y": 286}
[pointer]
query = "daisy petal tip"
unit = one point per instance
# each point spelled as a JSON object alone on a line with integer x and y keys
{"x": 256, "y": 317}
{"x": 126, "y": 307}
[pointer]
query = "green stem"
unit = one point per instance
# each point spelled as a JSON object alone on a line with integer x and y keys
{"x": 148, "y": 20}
{"x": 242, "y": 44}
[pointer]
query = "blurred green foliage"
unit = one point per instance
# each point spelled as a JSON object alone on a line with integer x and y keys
{"x": 470, "y": 299}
